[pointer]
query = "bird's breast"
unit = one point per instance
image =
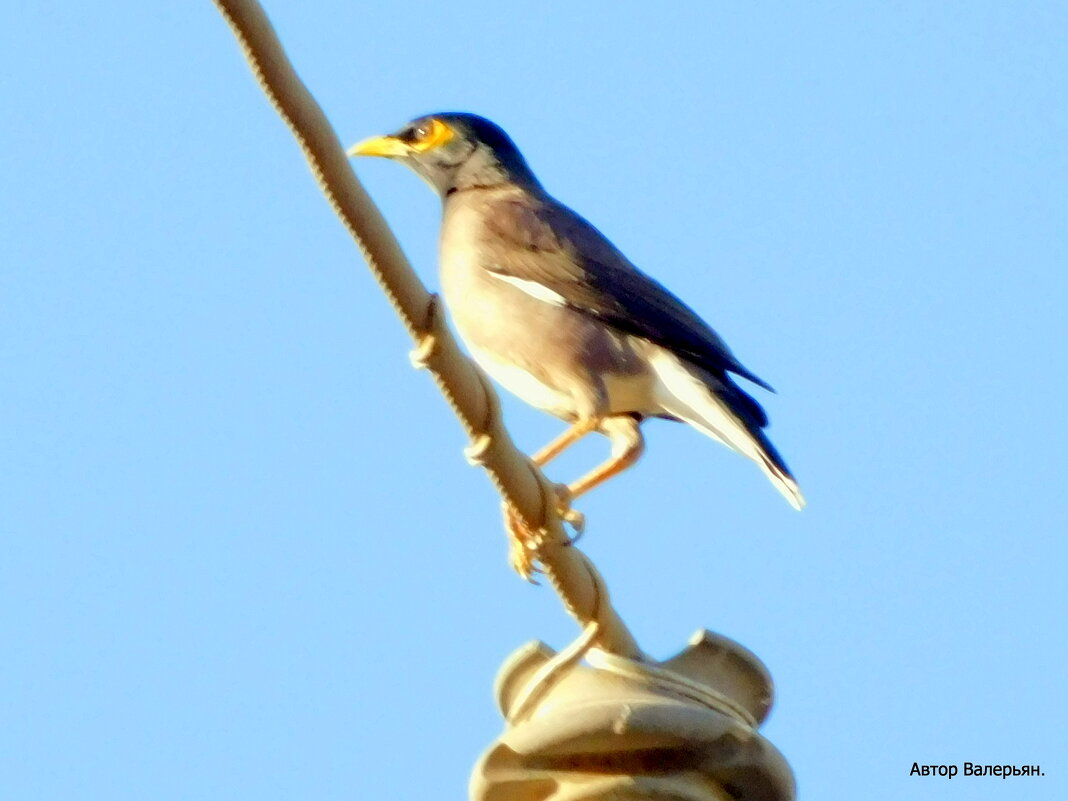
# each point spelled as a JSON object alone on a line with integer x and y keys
{"x": 554, "y": 357}
{"x": 508, "y": 332}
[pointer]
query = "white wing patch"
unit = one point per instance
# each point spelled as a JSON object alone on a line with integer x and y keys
{"x": 532, "y": 288}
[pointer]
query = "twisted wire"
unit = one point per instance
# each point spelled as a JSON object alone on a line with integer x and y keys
{"x": 522, "y": 486}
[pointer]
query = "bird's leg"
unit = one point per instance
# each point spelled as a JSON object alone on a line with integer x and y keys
{"x": 572, "y": 435}
{"x": 523, "y": 545}
{"x": 627, "y": 447}
{"x": 577, "y": 431}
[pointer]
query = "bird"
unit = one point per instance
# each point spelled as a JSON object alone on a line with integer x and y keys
{"x": 557, "y": 315}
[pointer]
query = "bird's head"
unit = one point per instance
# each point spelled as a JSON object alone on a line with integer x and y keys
{"x": 453, "y": 151}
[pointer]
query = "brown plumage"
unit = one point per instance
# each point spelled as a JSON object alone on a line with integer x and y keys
{"x": 555, "y": 313}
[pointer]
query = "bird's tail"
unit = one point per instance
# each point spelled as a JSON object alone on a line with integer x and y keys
{"x": 722, "y": 410}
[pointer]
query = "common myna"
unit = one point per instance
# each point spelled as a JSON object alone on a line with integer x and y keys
{"x": 555, "y": 313}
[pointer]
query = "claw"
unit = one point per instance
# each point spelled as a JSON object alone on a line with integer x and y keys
{"x": 522, "y": 563}
{"x": 569, "y": 515}
{"x": 523, "y": 545}
{"x": 577, "y": 521}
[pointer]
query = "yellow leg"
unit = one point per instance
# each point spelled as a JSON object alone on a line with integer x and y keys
{"x": 573, "y": 434}
{"x": 523, "y": 543}
{"x": 627, "y": 447}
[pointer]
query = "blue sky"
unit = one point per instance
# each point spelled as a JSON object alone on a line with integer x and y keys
{"x": 242, "y": 553}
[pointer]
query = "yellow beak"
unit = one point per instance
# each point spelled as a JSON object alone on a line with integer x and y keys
{"x": 385, "y": 146}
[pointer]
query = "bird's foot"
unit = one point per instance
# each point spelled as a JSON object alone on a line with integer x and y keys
{"x": 569, "y": 515}
{"x": 525, "y": 544}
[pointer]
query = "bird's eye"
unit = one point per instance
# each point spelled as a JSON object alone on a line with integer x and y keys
{"x": 428, "y": 134}
{"x": 414, "y": 134}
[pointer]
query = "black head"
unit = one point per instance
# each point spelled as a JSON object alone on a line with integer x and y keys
{"x": 453, "y": 151}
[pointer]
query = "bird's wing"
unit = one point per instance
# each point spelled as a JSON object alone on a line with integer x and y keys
{"x": 545, "y": 243}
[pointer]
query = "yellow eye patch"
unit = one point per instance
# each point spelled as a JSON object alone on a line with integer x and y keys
{"x": 430, "y": 135}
